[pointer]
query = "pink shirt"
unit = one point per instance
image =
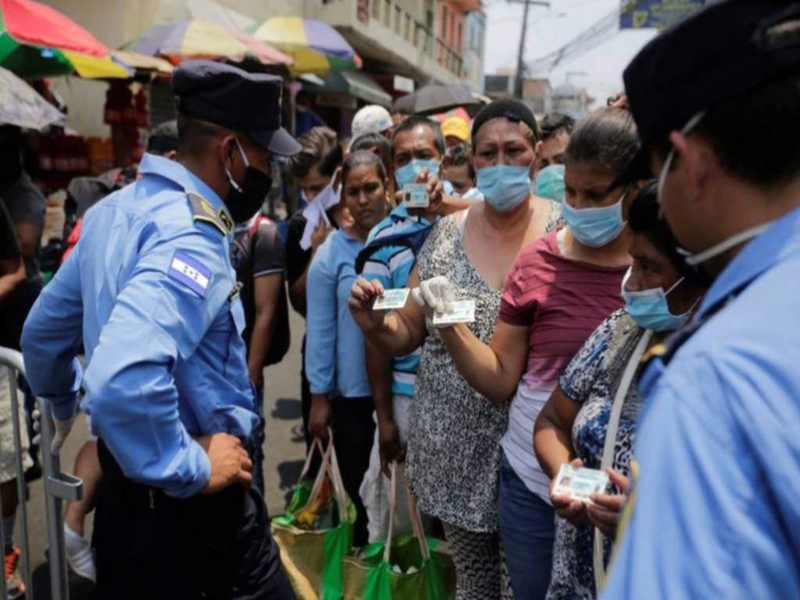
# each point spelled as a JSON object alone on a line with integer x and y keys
{"x": 562, "y": 302}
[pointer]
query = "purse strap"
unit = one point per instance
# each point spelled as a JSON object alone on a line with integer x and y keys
{"x": 413, "y": 514}
{"x": 330, "y": 467}
{"x": 611, "y": 440}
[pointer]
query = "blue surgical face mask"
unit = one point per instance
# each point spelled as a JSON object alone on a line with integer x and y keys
{"x": 410, "y": 173}
{"x": 550, "y": 183}
{"x": 595, "y": 227}
{"x": 504, "y": 187}
{"x": 650, "y": 309}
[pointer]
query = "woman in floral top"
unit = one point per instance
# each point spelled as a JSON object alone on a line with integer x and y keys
{"x": 660, "y": 293}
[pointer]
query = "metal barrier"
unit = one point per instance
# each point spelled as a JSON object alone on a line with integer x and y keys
{"x": 58, "y": 486}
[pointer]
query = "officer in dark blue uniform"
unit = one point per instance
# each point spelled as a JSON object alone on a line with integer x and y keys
{"x": 150, "y": 292}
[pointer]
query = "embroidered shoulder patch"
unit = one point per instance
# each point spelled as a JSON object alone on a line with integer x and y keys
{"x": 190, "y": 273}
{"x": 203, "y": 211}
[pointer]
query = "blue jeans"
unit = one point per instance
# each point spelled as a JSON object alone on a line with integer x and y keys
{"x": 527, "y": 530}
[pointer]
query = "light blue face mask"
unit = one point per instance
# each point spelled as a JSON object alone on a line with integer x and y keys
{"x": 504, "y": 187}
{"x": 550, "y": 183}
{"x": 650, "y": 309}
{"x": 595, "y": 227}
{"x": 410, "y": 172}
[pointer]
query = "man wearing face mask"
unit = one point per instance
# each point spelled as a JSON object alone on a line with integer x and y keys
{"x": 151, "y": 293}
{"x": 718, "y": 450}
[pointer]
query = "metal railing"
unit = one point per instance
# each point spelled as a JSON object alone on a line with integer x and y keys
{"x": 58, "y": 487}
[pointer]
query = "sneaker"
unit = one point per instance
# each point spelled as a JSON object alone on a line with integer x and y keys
{"x": 79, "y": 554}
{"x": 14, "y": 583}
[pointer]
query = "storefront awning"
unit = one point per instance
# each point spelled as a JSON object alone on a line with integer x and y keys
{"x": 353, "y": 83}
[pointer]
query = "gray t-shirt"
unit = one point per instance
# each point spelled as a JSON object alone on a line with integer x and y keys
{"x": 26, "y": 204}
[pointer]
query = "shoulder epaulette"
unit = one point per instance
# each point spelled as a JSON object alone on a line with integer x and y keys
{"x": 203, "y": 211}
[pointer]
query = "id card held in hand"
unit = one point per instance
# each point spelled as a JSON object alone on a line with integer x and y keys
{"x": 579, "y": 484}
{"x": 415, "y": 195}
{"x": 392, "y": 299}
{"x": 462, "y": 311}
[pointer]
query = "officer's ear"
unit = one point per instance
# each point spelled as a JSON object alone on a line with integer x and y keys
{"x": 227, "y": 150}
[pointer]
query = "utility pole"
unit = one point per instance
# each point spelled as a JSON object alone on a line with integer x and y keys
{"x": 521, "y": 53}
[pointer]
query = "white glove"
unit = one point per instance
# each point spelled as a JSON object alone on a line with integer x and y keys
{"x": 434, "y": 295}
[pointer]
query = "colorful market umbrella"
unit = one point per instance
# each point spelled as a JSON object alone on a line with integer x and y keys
{"x": 459, "y": 112}
{"x": 315, "y": 46}
{"x": 38, "y": 41}
{"x": 198, "y": 38}
{"x": 22, "y": 106}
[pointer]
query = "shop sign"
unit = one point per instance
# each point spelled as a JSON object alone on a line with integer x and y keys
{"x": 657, "y": 14}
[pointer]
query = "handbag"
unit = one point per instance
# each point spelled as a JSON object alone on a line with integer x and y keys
{"x": 317, "y": 530}
{"x": 406, "y": 567}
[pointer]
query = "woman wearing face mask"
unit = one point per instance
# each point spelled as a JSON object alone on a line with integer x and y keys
{"x": 335, "y": 363}
{"x": 556, "y": 293}
{"x": 453, "y": 442}
{"x": 591, "y": 416}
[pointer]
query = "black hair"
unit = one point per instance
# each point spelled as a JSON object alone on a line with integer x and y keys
{"x": 363, "y": 158}
{"x": 320, "y": 149}
{"x": 194, "y": 135}
{"x": 163, "y": 138}
{"x": 754, "y": 137}
{"x": 515, "y": 111}
{"x": 556, "y": 123}
{"x": 459, "y": 156}
{"x": 372, "y": 141}
{"x": 644, "y": 218}
{"x": 607, "y": 137}
{"x": 415, "y": 121}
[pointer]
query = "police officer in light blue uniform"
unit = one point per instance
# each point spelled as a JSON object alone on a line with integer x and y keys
{"x": 714, "y": 508}
{"x": 150, "y": 292}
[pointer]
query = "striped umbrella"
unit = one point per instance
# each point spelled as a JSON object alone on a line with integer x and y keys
{"x": 198, "y": 38}
{"x": 315, "y": 46}
{"x": 38, "y": 41}
{"x": 22, "y": 106}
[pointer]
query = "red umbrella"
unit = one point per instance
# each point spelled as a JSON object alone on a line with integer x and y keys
{"x": 28, "y": 22}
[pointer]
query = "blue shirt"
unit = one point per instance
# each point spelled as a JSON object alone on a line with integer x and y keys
{"x": 335, "y": 363}
{"x": 715, "y": 506}
{"x": 392, "y": 266}
{"x": 150, "y": 291}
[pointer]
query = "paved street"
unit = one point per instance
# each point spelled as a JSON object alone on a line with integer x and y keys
{"x": 284, "y": 452}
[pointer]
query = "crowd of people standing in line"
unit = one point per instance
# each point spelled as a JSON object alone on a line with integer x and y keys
{"x": 605, "y": 304}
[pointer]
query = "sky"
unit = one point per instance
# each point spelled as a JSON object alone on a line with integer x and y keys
{"x": 599, "y": 70}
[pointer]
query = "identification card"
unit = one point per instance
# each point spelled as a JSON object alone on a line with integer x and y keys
{"x": 579, "y": 484}
{"x": 462, "y": 311}
{"x": 415, "y": 195}
{"x": 392, "y": 299}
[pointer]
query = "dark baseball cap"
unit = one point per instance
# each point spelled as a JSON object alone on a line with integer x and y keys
{"x": 729, "y": 48}
{"x": 231, "y": 97}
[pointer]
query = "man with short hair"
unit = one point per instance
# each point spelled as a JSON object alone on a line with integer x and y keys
{"x": 150, "y": 291}
{"x": 713, "y": 511}
{"x": 556, "y": 130}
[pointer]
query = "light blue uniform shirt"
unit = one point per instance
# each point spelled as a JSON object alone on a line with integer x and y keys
{"x": 715, "y": 506}
{"x": 335, "y": 363}
{"x": 148, "y": 290}
{"x": 392, "y": 266}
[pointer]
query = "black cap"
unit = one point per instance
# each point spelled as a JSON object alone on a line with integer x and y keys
{"x": 507, "y": 108}
{"x": 228, "y": 96}
{"x": 727, "y": 49}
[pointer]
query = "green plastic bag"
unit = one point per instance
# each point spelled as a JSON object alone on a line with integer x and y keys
{"x": 424, "y": 573}
{"x": 312, "y": 552}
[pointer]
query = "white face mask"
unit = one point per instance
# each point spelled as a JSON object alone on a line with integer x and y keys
{"x": 698, "y": 258}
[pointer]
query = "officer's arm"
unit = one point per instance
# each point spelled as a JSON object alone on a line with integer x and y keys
{"x": 51, "y": 340}
{"x": 159, "y": 318}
